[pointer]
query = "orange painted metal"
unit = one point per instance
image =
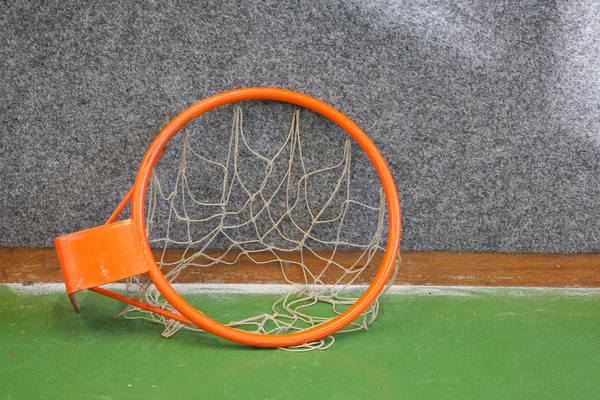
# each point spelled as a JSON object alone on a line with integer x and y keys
{"x": 98, "y": 256}
{"x": 115, "y": 214}
{"x": 139, "y": 304}
{"x": 139, "y": 248}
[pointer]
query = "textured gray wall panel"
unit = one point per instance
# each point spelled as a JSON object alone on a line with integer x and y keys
{"x": 488, "y": 112}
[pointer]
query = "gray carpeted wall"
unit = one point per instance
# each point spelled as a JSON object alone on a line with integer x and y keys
{"x": 487, "y": 112}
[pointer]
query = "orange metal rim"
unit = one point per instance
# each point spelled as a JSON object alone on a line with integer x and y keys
{"x": 386, "y": 268}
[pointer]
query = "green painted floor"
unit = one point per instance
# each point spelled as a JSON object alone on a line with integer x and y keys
{"x": 450, "y": 344}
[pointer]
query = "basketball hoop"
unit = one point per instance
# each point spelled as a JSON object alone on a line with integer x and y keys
{"x": 121, "y": 249}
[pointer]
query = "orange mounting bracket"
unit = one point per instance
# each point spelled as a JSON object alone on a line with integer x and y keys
{"x": 97, "y": 256}
{"x": 101, "y": 255}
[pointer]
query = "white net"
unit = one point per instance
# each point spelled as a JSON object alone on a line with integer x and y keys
{"x": 280, "y": 207}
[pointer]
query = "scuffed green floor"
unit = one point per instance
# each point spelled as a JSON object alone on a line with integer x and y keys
{"x": 465, "y": 344}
